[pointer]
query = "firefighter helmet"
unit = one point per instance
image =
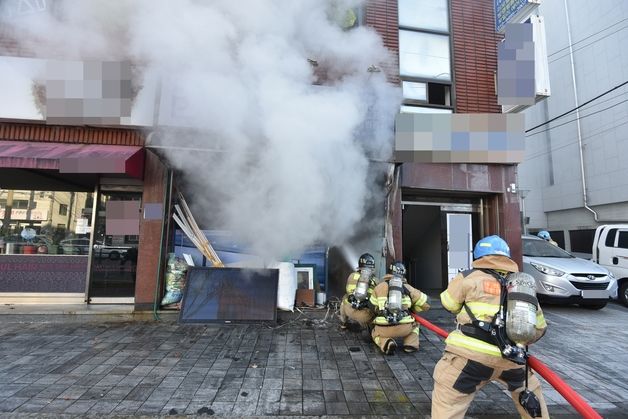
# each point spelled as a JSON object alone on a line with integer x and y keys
{"x": 398, "y": 269}
{"x": 366, "y": 261}
{"x": 491, "y": 245}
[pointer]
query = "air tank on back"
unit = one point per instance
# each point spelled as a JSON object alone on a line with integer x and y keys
{"x": 395, "y": 294}
{"x": 521, "y": 308}
{"x": 361, "y": 289}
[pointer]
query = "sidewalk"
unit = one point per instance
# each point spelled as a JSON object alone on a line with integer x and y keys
{"x": 304, "y": 365}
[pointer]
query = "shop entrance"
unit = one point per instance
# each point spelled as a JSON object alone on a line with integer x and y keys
{"x": 437, "y": 242}
{"x": 114, "y": 247}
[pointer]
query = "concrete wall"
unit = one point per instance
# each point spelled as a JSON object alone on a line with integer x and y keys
{"x": 551, "y": 170}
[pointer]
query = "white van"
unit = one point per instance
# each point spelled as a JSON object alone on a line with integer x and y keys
{"x": 610, "y": 249}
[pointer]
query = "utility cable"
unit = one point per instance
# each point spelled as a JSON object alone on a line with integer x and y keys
{"x": 543, "y": 153}
{"x": 577, "y": 119}
{"x": 587, "y": 45}
{"x": 589, "y": 37}
{"x": 577, "y": 107}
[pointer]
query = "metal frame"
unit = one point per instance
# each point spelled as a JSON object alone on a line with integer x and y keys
{"x": 99, "y": 189}
{"x": 88, "y": 279}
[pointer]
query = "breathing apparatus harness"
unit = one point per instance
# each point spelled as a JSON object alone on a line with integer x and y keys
{"x": 496, "y": 329}
{"x": 394, "y": 311}
{"x": 359, "y": 297}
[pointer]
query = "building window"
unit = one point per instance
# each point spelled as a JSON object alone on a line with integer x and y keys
{"x": 424, "y": 14}
{"x": 424, "y": 54}
{"x": 63, "y": 209}
{"x": 424, "y": 109}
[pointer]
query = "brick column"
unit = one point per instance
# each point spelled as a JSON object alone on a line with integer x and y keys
{"x": 150, "y": 234}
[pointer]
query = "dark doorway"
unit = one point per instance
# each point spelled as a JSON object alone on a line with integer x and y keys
{"x": 422, "y": 246}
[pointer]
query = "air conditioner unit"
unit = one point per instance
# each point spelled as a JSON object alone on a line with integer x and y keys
{"x": 541, "y": 66}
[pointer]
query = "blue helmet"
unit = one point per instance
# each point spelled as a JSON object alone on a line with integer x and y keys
{"x": 544, "y": 235}
{"x": 491, "y": 245}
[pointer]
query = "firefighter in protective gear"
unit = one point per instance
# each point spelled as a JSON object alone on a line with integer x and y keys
{"x": 546, "y": 236}
{"x": 471, "y": 358}
{"x": 360, "y": 284}
{"x": 393, "y": 300}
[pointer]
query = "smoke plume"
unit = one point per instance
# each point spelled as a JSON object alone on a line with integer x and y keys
{"x": 288, "y": 114}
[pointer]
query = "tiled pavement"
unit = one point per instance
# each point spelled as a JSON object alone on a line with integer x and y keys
{"x": 306, "y": 366}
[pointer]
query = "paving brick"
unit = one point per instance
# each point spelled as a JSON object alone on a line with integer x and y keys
{"x": 314, "y": 408}
{"x": 149, "y": 368}
{"x": 336, "y": 408}
{"x": 12, "y": 403}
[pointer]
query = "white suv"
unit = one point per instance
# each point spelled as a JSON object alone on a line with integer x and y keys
{"x": 610, "y": 249}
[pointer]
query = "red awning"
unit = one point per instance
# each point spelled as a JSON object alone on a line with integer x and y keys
{"x": 73, "y": 158}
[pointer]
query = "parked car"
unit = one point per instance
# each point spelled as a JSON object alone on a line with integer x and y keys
{"x": 563, "y": 278}
{"x": 610, "y": 249}
{"x": 101, "y": 250}
{"x": 78, "y": 246}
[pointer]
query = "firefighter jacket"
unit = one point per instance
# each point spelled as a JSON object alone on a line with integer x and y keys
{"x": 413, "y": 300}
{"x": 352, "y": 282}
{"x": 480, "y": 292}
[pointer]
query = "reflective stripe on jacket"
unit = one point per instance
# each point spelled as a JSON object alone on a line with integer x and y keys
{"x": 480, "y": 292}
{"x": 352, "y": 283}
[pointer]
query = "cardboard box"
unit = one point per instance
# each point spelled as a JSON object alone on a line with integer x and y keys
{"x": 305, "y": 298}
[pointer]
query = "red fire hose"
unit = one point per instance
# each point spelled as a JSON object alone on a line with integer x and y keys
{"x": 544, "y": 371}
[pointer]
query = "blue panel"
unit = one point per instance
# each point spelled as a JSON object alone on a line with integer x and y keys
{"x": 505, "y": 10}
{"x": 231, "y": 252}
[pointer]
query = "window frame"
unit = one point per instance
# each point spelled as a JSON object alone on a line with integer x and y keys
{"x": 430, "y": 80}
{"x": 619, "y": 233}
{"x": 63, "y": 206}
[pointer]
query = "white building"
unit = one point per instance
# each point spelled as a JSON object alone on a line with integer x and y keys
{"x": 579, "y": 160}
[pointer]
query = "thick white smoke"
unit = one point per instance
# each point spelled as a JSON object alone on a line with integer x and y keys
{"x": 295, "y": 165}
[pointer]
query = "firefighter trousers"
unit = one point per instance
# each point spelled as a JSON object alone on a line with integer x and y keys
{"x": 457, "y": 379}
{"x": 363, "y": 316}
{"x": 409, "y": 332}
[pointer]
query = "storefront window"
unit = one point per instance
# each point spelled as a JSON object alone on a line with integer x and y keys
{"x": 61, "y": 222}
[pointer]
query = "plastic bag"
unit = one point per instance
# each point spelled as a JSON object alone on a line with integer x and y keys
{"x": 176, "y": 269}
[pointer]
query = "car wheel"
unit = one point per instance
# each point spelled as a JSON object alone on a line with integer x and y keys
{"x": 114, "y": 256}
{"x": 623, "y": 293}
{"x": 594, "y": 306}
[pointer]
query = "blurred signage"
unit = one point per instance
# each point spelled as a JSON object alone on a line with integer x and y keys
{"x": 459, "y": 138}
{"x": 81, "y": 226}
{"x": 22, "y": 214}
{"x": 510, "y": 11}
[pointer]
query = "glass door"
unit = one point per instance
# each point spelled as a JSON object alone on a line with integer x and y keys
{"x": 114, "y": 251}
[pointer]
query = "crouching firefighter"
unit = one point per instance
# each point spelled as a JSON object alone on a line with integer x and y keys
{"x": 393, "y": 300}
{"x": 360, "y": 284}
{"x": 498, "y": 315}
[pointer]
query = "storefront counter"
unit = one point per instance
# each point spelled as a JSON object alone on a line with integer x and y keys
{"x": 43, "y": 274}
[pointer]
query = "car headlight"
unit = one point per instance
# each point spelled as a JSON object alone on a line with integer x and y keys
{"x": 547, "y": 270}
{"x": 610, "y": 275}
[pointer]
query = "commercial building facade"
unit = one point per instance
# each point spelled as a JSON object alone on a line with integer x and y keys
{"x": 103, "y": 228}
{"x": 447, "y": 52}
{"x": 574, "y": 176}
